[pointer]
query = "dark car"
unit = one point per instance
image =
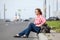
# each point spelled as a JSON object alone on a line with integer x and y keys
{"x": 7, "y": 20}
{"x": 26, "y": 20}
{"x": 52, "y": 19}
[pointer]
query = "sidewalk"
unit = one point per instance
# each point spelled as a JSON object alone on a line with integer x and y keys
{"x": 49, "y": 36}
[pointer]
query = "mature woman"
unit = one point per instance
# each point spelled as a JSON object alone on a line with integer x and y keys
{"x": 36, "y": 26}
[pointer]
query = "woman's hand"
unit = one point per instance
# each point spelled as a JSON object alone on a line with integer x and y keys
{"x": 38, "y": 25}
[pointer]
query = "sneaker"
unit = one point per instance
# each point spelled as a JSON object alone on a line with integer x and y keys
{"x": 24, "y": 36}
{"x": 17, "y": 36}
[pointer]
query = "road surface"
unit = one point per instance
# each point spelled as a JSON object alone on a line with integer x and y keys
{"x": 9, "y": 29}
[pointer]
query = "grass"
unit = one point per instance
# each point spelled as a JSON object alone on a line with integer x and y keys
{"x": 55, "y": 25}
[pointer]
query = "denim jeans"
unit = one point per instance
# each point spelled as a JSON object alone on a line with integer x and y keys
{"x": 31, "y": 27}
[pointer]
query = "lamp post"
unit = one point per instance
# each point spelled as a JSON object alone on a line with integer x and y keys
{"x": 5, "y": 12}
{"x": 44, "y": 8}
{"x": 49, "y": 10}
{"x": 19, "y": 13}
{"x": 0, "y": 14}
{"x": 56, "y": 5}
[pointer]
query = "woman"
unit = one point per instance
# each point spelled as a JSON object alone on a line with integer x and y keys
{"x": 35, "y": 27}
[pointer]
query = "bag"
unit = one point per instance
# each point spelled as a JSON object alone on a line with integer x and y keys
{"x": 45, "y": 29}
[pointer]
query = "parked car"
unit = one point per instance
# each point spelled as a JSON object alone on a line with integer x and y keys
{"x": 7, "y": 20}
{"x": 26, "y": 20}
{"x": 53, "y": 19}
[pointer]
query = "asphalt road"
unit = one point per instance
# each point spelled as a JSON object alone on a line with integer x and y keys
{"x": 9, "y": 29}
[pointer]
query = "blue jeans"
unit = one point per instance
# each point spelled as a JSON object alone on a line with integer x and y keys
{"x": 31, "y": 27}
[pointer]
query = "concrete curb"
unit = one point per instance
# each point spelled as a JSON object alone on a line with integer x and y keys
{"x": 42, "y": 36}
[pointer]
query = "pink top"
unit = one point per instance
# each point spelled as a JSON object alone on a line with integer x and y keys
{"x": 39, "y": 20}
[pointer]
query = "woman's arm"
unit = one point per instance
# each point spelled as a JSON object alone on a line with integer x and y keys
{"x": 43, "y": 20}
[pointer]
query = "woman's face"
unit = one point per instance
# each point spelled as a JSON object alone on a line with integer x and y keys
{"x": 37, "y": 12}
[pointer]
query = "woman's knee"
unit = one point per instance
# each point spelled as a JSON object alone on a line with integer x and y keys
{"x": 31, "y": 23}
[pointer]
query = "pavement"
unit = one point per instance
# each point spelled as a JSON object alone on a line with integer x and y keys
{"x": 49, "y": 36}
{"x": 9, "y": 29}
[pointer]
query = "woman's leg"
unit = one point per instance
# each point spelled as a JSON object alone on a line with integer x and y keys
{"x": 26, "y": 31}
{"x": 30, "y": 28}
{"x": 35, "y": 28}
{"x": 23, "y": 32}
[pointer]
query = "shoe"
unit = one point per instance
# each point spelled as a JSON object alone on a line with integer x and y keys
{"x": 17, "y": 36}
{"x": 24, "y": 36}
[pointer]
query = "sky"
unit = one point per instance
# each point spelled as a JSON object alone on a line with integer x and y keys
{"x": 27, "y": 8}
